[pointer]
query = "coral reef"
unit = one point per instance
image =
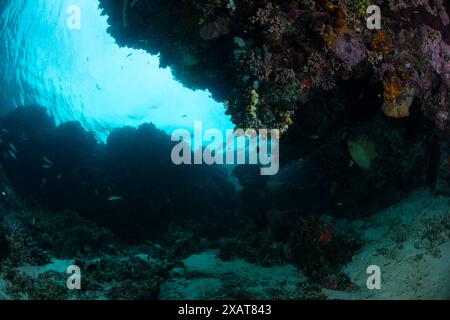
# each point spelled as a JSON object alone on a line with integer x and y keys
{"x": 318, "y": 245}
{"x": 135, "y": 237}
{"x": 314, "y": 70}
{"x": 281, "y": 50}
{"x": 365, "y": 119}
{"x": 35, "y": 236}
{"x": 119, "y": 203}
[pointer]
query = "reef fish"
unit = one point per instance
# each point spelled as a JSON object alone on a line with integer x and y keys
{"x": 46, "y": 160}
{"x": 13, "y": 147}
{"x": 115, "y": 198}
{"x": 12, "y": 154}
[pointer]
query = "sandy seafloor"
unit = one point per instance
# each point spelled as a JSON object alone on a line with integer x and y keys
{"x": 408, "y": 241}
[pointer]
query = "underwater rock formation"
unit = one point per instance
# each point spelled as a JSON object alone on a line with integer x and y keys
{"x": 318, "y": 166}
{"x": 370, "y": 161}
{"x": 125, "y": 184}
{"x": 125, "y": 192}
{"x": 273, "y": 53}
{"x": 314, "y": 70}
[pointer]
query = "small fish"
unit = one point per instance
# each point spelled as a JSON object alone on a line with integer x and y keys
{"x": 59, "y": 176}
{"x": 46, "y": 166}
{"x": 184, "y": 116}
{"x": 23, "y": 137}
{"x": 12, "y": 154}
{"x": 115, "y": 198}
{"x": 98, "y": 87}
{"x": 44, "y": 182}
{"x": 5, "y": 131}
{"x": 46, "y": 160}
{"x": 96, "y": 192}
{"x": 129, "y": 55}
{"x": 13, "y": 147}
{"x": 313, "y": 137}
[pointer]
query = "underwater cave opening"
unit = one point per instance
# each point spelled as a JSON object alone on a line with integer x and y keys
{"x": 83, "y": 75}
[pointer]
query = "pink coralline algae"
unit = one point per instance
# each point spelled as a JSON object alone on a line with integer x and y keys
{"x": 439, "y": 53}
{"x": 350, "y": 49}
{"x": 440, "y": 116}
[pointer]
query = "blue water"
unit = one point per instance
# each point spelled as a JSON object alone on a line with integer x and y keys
{"x": 83, "y": 75}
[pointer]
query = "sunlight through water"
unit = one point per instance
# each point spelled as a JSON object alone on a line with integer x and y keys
{"x": 83, "y": 75}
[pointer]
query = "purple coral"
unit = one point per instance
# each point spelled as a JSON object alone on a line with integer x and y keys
{"x": 439, "y": 53}
{"x": 350, "y": 49}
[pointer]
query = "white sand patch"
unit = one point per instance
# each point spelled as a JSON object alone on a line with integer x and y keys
{"x": 410, "y": 243}
{"x": 208, "y": 277}
{"x": 56, "y": 265}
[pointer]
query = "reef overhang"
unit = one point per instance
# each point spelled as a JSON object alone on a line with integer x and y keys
{"x": 262, "y": 58}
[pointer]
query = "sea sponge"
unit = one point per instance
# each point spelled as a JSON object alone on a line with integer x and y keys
{"x": 392, "y": 89}
{"x": 362, "y": 151}
{"x": 399, "y": 108}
